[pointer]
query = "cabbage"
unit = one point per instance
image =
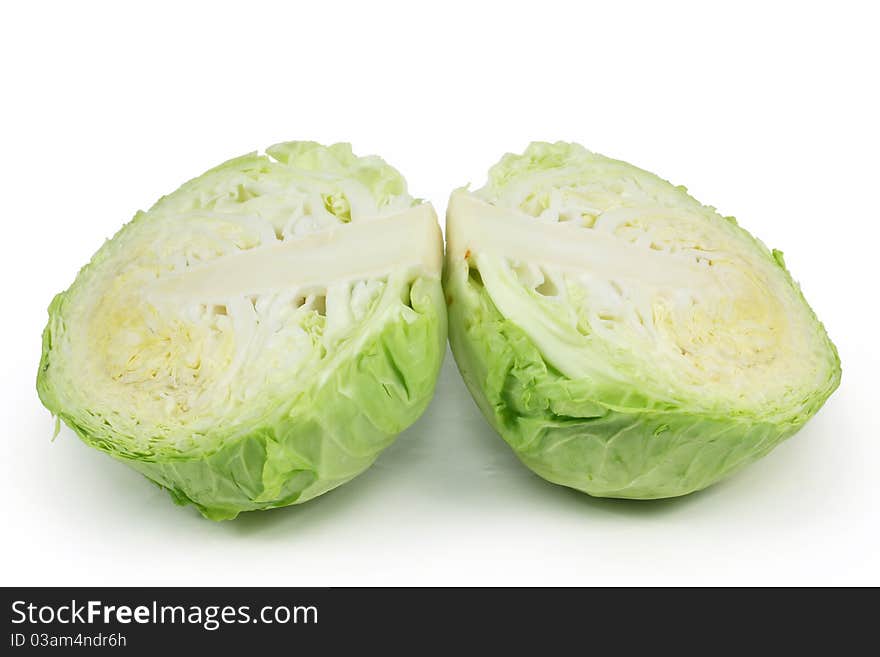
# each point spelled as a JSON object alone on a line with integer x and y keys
{"x": 260, "y": 335}
{"x": 622, "y": 338}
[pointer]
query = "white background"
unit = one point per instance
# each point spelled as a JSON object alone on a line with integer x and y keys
{"x": 767, "y": 111}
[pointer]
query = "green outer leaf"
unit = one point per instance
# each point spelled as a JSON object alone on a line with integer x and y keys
{"x": 571, "y": 439}
{"x": 322, "y": 439}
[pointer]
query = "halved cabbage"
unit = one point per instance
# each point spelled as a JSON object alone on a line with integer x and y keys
{"x": 623, "y": 339}
{"x": 257, "y": 337}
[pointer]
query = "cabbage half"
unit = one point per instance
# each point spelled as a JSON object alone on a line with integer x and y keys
{"x": 260, "y": 335}
{"x": 624, "y": 339}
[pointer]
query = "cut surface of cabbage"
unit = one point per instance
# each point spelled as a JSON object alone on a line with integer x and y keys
{"x": 623, "y": 338}
{"x": 258, "y": 336}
